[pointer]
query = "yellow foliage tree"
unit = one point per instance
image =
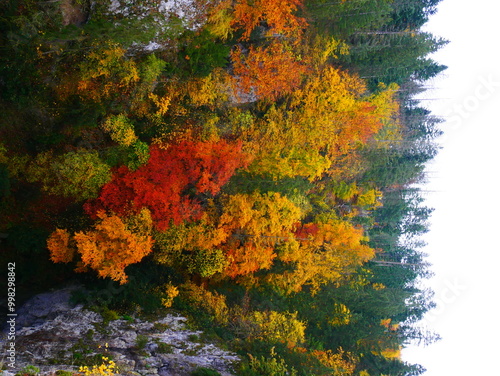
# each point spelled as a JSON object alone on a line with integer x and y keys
{"x": 387, "y": 108}
{"x": 256, "y": 223}
{"x": 170, "y": 292}
{"x": 319, "y": 129}
{"x": 193, "y": 247}
{"x": 327, "y": 252}
{"x": 341, "y": 315}
{"x": 343, "y": 362}
{"x": 106, "y": 72}
{"x": 211, "y": 90}
{"x": 78, "y": 174}
{"x": 272, "y": 326}
{"x": 219, "y": 19}
{"x": 120, "y": 129}
{"x": 212, "y": 302}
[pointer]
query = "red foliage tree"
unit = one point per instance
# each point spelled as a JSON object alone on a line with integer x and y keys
{"x": 168, "y": 185}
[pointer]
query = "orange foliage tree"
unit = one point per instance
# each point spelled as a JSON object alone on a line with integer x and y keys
{"x": 267, "y": 71}
{"x": 109, "y": 248}
{"x": 256, "y": 223}
{"x": 344, "y": 363}
{"x": 239, "y": 240}
{"x": 278, "y": 15}
{"x": 58, "y": 244}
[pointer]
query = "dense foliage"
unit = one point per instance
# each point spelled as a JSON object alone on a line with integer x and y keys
{"x": 252, "y": 163}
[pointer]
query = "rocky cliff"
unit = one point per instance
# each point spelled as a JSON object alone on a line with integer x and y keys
{"x": 54, "y": 335}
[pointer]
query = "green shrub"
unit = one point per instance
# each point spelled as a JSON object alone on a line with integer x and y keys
{"x": 164, "y": 348}
{"x": 64, "y": 373}
{"x": 202, "y": 371}
{"x": 201, "y": 54}
{"x": 28, "y": 371}
{"x": 268, "y": 366}
{"x": 128, "y": 318}
{"x": 141, "y": 341}
{"x": 109, "y": 315}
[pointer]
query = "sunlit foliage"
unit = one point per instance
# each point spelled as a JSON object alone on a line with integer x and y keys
{"x": 251, "y": 162}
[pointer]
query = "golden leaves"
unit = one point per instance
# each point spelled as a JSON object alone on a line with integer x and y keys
{"x": 320, "y": 127}
{"x": 58, "y": 245}
{"x": 255, "y": 223}
{"x": 171, "y": 292}
{"x": 327, "y": 252}
{"x": 162, "y": 103}
{"x": 120, "y": 129}
{"x": 105, "y": 72}
{"x": 341, "y": 315}
{"x": 212, "y": 302}
{"x": 343, "y": 362}
{"x": 273, "y": 326}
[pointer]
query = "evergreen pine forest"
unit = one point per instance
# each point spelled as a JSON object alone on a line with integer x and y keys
{"x": 252, "y": 164}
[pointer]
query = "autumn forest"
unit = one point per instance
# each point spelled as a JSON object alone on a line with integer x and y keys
{"x": 253, "y": 164}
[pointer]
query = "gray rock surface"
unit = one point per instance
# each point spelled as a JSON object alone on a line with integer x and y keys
{"x": 43, "y": 307}
{"x": 52, "y": 334}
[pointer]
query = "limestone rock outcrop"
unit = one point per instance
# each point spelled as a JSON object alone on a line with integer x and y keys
{"x": 53, "y": 334}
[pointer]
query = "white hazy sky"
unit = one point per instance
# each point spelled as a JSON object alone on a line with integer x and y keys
{"x": 464, "y": 190}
